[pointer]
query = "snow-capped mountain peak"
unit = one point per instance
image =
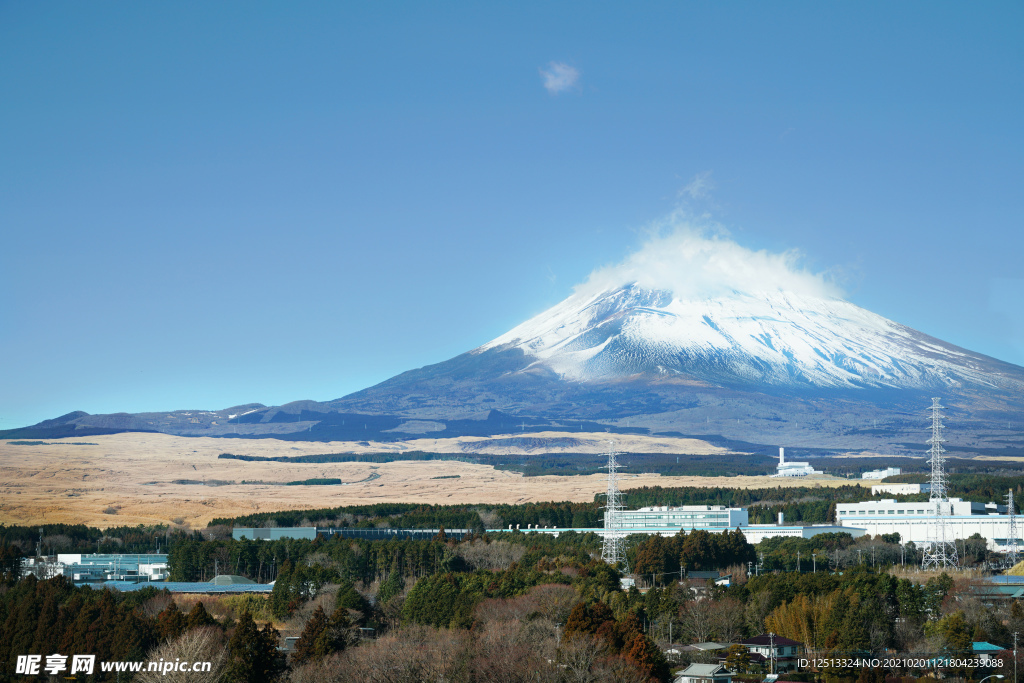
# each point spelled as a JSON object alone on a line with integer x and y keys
{"x": 776, "y": 338}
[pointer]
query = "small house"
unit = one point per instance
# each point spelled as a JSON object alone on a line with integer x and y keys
{"x": 704, "y": 673}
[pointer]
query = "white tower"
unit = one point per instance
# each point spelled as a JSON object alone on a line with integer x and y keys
{"x": 941, "y": 552}
{"x": 613, "y": 550}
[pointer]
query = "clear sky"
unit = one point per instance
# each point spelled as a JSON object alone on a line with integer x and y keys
{"x": 208, "y": 204}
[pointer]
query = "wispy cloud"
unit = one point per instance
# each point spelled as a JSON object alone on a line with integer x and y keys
{"x": 698, "y": 188}
{"x": 559, "y": 77}
{"x": 701, "y": 261}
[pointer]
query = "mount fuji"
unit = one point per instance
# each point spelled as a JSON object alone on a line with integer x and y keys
{"x": 767, "y": 339}
{"x": 763, "y": 367}
{"x": 689, "y": 336}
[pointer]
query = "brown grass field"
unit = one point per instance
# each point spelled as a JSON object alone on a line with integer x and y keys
{"x": 127, "y": 479}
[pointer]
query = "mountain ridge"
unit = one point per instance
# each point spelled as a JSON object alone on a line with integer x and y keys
{"x": 770, "y": 367}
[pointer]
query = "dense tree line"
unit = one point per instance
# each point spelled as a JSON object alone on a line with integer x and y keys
{"x": 418, "y": 516}
{"x": 730, "y": 497}
{"x": 661, "y": 559}
{"x": 46, "y": 617}
{"x": 78, "y": 538}
{"x": 55, "y": 617}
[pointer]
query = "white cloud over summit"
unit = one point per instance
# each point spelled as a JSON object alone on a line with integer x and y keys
{"x": 698, "y": 262}
{"x": 559, "y": 77}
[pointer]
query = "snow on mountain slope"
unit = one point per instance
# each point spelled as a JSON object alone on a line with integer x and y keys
{"x": 776, "y": 338}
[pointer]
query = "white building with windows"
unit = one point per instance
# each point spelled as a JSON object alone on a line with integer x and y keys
{"x": 900, "y": 489}
{"x": 97, "y": 568}
{"x": 881, "y": 474}
{"x": 913, "y": 521}
{"x": 668, "y": 521}
{"x": 689, "y": 517}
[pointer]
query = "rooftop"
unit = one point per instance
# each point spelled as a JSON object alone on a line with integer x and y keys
{"x": 766, "y": 640}
{"x": 705, "y": 670}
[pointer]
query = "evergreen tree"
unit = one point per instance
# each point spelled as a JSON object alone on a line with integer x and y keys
{"x": 322, "y": 635}
{"x": 737, "y": 658}
{"x": 199, "y": 617}
{"x": 310, "y": 645}
{"x": 349, "y": 598}
{"x": 591, "y": 619}
{"x": 854, "y": 636}
{"x": 391, "y": 587}
{"x": 170, "y": 623}
{"x": 433, "y": 601}
{"x": 132, "y": 635}
{"x": 957, "y": 634}
{"x": 647, "y": 657}
{"x": 10, "y": 564}
{"x": 252, "y": 653}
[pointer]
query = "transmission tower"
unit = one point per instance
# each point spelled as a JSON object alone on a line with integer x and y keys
{"x": 613, "y": 550}
{"x": 941, "y": 552}
{"x": 1011, "y": 544}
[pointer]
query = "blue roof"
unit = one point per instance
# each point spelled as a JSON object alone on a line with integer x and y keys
{"x": 192, "y": 586}
{"x": 1004, "y": 578}
{"x": 986, "y": 647}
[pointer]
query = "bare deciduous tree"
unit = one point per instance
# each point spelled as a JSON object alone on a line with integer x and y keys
{"x": 495, "y": 555}
{"x": 490, "y": 519}
{"x": 198, "y": 645}
{"x": 407, "y": 655}
{"x": 728, "y": 620}
{"x": 696, "y": 619}
{"x": 578, "y": 656}
{"x": 618, "y": 670}
{"x": 504, "y": 655}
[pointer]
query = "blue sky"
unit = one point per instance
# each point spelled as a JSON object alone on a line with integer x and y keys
{"x": 204, "y": 204}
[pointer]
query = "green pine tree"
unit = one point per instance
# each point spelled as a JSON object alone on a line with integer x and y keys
{"x": 198, "y": 617}
{"x": 252, "y": 653}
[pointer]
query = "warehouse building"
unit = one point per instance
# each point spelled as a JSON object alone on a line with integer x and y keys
{"x": 881, "y": 474}
{"x": 914, "y": 521}
{"x": 689, "y": 517}
{"x": 99, "y": 568}
{"x": 668, "y": 521}
{"x": 900, "y": 489}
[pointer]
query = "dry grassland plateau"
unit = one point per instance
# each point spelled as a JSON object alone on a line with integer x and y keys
{"x": 130, "y": 479}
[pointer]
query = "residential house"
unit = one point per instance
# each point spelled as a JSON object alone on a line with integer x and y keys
{"x": 784, "y": 651}
{"x": 704, "y": 673}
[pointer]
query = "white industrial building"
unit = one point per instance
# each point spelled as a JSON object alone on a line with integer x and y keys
{"x": 755, "y": 533}
{"x": 881, "y": 474}
{"x": 689, "y": 517}
{"x": 668, "y": 521}
{"x": 793, "y": 469}
{"x": 914, "y": 521}
{"x": 900, "y": 489}
{"x": 97, "y": 568}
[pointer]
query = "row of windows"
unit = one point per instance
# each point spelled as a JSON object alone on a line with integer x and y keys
{"x": 881, "y": 512}
{"x": 640, "y": 524}
{"x": 677, "y": 518}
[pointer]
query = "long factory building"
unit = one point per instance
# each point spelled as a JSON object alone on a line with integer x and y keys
{"x": 915, "y": 521}
{"x": 912, "y": 521}
{"x": 662, "y": 520}
{"x": 668, "y": 521}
